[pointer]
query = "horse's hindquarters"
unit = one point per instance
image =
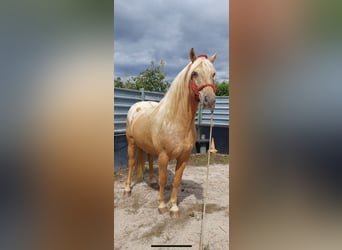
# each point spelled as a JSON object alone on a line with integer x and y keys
{"x": 140, "y": 120}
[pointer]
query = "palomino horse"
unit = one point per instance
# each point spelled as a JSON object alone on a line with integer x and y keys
{"x": 167, "y": 129}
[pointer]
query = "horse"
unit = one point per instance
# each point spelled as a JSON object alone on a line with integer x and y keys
{"x": 167, "y": 129}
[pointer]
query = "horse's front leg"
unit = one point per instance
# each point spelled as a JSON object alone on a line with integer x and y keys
{"x": 181, "y": 163}
{"x": 163, "y": 160}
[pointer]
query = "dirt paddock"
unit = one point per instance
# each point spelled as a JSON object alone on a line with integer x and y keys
{"x": 138, "y": 225}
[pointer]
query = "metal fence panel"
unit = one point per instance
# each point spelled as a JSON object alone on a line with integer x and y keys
{"x": 220, "y": 116}
{"x": 153, "y": 96}
{"x": 125, "y": 98}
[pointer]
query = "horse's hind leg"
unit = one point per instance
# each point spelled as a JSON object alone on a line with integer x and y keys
{"x": 153, "y": 182}
{"x": 163, "y": 160}
{"x": 131, "y": 150}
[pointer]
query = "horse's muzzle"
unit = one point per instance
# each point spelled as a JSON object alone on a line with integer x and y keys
{"x": 208, "y": 102}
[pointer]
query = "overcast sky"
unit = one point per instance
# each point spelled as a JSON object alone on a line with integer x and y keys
{"x": 154, "y": 30}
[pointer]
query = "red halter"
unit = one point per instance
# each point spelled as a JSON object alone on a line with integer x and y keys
{"x": 197, "y": 89}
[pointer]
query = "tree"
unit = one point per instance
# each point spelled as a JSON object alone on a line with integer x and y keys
{"x": 118, "y": 83}
{"x": 130, "y": 82}
{"x": 151, "y": 79}
{"x": 222, "y": 88}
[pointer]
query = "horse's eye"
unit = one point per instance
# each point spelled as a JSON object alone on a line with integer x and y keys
{"x": 194, "y": 74}
{"x": 214, "y": 74}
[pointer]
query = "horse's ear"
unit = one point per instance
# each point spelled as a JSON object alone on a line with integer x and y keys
{"x": 212, "y": 58}
{"x": 192, "y": 55}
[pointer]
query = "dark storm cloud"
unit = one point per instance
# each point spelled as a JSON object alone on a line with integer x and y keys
{"x": 153, "y": 30}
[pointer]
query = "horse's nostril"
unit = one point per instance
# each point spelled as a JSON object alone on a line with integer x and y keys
{"x": 206, "y": 98}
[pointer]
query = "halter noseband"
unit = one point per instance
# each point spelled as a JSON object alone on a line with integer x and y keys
{"x": 197, "y": 89}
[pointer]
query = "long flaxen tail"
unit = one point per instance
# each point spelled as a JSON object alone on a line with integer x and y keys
{"x": 140, "y": 165}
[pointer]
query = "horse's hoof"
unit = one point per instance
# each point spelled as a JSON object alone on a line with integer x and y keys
{"x": 162, "y": 210}
{"x": 174, "y": 214}
{"x": 154, "y": 185}
{"x": 127, "y": 193}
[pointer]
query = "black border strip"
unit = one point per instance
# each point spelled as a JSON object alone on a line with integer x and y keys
{"x": 171, "y": 245}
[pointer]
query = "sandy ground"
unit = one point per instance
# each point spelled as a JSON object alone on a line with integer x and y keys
{"x": 138, "y": 225}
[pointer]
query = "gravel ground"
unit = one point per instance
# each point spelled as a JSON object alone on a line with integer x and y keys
{"x": 138, "y": 225}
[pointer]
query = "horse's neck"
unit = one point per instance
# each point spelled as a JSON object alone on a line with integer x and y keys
{"x": 184, "y": 112}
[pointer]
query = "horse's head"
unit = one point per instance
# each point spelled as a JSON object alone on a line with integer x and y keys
{"x": 202, "y": 82}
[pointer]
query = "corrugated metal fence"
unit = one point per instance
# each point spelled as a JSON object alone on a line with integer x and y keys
{"x": 125, "y": 98}
{"x": 221, "y": 113}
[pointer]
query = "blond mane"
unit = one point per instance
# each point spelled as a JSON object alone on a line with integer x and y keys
{"x": 177, "y": 97}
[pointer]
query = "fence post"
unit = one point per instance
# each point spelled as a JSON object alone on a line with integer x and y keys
{"x": 142, "y": 94}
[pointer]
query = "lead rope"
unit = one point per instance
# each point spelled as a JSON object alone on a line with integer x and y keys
{"x": 206, "y": 183}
